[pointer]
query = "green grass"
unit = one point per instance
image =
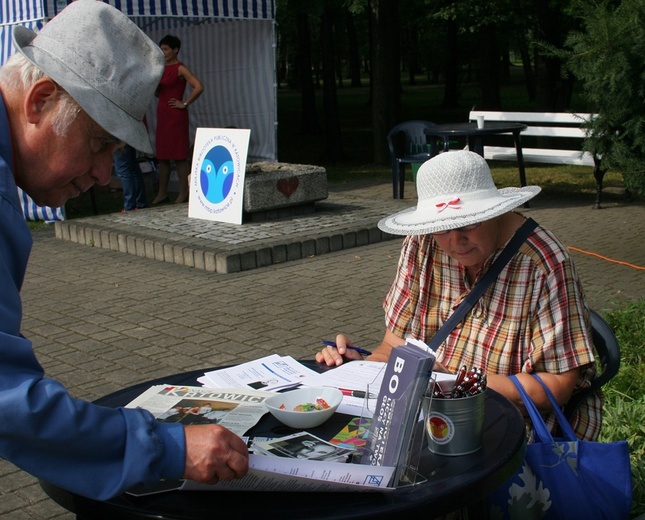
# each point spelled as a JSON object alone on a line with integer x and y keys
{"x": 624, "y": 406}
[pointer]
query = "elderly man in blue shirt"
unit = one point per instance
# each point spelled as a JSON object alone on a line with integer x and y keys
{"x": 74, "y": 94}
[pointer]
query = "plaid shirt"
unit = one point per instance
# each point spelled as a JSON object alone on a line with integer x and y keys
{"x": 533, "y": 318}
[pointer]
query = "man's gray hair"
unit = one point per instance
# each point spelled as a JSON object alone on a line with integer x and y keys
{"x": 19, "y": 74}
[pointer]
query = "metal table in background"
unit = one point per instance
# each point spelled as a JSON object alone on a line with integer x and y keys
{"x": 475, "y": 137}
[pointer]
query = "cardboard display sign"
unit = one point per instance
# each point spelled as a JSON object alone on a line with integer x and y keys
{"x": 217, "y": 174}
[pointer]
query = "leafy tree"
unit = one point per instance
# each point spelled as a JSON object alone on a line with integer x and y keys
{"x": 608, "y": 57}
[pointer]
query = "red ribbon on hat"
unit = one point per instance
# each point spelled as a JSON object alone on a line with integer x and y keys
{"x": 453, "y": 203}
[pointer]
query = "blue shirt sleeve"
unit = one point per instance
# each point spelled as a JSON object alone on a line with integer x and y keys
{"x": 91, "y": 450}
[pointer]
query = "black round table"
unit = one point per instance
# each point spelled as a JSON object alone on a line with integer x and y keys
{"x": 452, "y": 482}
{"x": 475, "y": 137}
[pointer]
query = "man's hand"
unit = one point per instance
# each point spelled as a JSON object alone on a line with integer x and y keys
{"x": 214, "y": 453}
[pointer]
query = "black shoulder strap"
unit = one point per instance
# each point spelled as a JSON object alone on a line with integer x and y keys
{"x": 511, "y": 248}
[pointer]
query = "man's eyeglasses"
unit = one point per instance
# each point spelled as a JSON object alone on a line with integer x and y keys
{"x": 469, "y": 227}
{"x": 98, "y": 144}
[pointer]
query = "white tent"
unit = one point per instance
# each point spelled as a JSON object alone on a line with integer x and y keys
{"x": 228, "y": 44}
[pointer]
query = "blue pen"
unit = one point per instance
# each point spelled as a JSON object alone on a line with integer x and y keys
{"x": 357, "y": 349}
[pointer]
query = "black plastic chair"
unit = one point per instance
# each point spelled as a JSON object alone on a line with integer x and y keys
{"x": 608, "y": 352}
{"x": 408, "y": 145}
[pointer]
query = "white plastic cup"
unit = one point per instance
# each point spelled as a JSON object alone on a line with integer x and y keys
{"x": 480, "y": 121}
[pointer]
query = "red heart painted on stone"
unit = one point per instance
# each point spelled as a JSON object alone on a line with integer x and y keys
{"x": 288, "y": 186}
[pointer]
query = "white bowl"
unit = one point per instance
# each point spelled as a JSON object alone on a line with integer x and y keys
{"x": 303, "y": 420}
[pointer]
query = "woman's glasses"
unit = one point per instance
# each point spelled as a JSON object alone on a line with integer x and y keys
{"x": 469, "y": 227}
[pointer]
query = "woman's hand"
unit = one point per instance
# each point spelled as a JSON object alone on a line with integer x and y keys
{"x": 176, "y": 103}
{"x": 335, "y": 356}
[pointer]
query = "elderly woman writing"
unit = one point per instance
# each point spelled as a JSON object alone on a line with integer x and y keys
{"x": 532, "y": 319}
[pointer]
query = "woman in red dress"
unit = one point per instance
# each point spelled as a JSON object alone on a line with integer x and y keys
{"x": 172, "y": 137}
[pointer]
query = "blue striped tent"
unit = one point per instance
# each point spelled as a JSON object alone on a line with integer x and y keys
{"x": 228, "y": 44}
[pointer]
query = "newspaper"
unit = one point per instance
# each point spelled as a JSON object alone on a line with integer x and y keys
{"x": 237, "y": 409}
{"x": 292, "y": 475}
{"x": 296, "y": 475}
{"x": 271, "y": 373}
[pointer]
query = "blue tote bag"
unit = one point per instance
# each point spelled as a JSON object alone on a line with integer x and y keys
{"x": 565, "y": 478}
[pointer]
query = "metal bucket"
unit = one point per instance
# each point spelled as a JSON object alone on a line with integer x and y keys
{"x": 454, "y": 426}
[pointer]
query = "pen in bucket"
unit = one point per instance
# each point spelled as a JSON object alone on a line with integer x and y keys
{"x": 467, "y": 383}
{"x": 351, "y": 347}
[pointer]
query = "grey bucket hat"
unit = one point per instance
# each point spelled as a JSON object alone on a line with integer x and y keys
{"x": 455, "y": 189}
{"x": 104, "y": 61}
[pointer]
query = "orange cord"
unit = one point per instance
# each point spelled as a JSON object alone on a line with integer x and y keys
{"x": 605, "y": 258}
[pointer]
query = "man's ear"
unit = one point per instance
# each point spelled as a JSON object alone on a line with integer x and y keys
{"x": 41, "y": 97}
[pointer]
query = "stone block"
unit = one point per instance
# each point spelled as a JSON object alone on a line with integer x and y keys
{"x": 362, "y": 237}
{"x": 322, "y": 245}
{"x": 349, "y": 239}
{"x": 248, "y": 260}
{"x": 279, "y": 253}
{"x": 264, "y": 256}
{"x": 336, "y": 243}
{"x": 308, "y": 247}
{"x": 294, "y": 251}
{"x": 272, "y": 185}
{"x": 228, "y": 263}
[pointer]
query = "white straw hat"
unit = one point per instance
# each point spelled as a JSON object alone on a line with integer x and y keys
{"x": 103, "y": 60}
{"x": 455, "y": 189}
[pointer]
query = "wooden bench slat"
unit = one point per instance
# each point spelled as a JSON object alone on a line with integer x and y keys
{"x": 551, "y": 131}
{"x": 539, "y": 155}
{"x": 532, "y": 117}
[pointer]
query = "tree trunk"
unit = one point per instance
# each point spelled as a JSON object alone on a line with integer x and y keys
{"x": 552, "y": 92}
{"x": 453, "y": 65}
{"x": 489, "y": 68}
{"x": 412, "y": 37}
{"x": 333, "y": 147}
{"x": 354, "y": 54}
{"x": 385, "y": 77}
{"x": 308, "y": 117}
{"x": 529, "y": 75}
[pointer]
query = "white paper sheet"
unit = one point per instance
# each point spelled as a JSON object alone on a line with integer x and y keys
{"x": 270, "y": 373}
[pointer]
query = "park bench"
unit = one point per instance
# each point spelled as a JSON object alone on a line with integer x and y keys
{"x": 554, "y": 138}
